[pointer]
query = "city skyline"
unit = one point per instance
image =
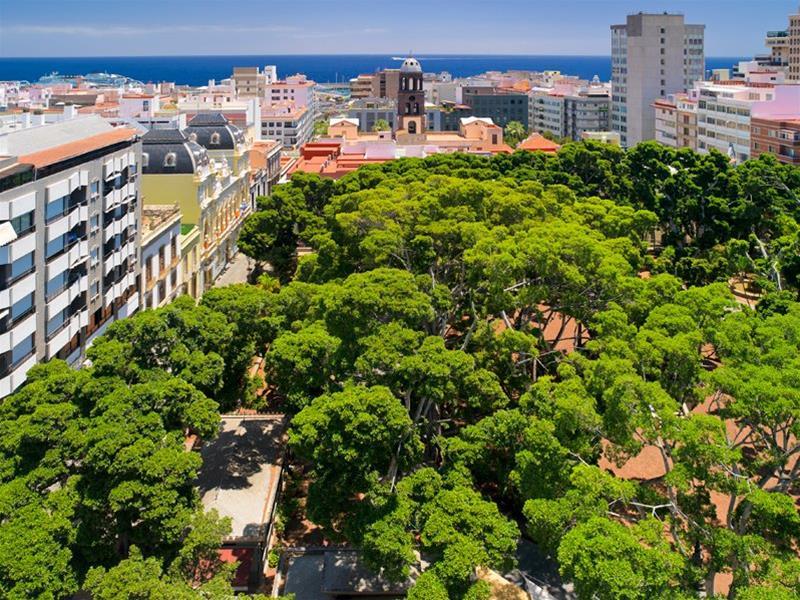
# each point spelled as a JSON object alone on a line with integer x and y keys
{"x": 579, "y": 27}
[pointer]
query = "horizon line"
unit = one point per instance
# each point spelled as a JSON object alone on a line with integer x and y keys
{"x": 382, "y": 54}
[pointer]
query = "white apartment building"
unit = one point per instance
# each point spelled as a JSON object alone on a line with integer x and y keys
{"x": 290, "y": 125}
{"x": 69, "y": 240}
{"x": 723, "y": 116}
{"x": 652, "y": 56}
{"x": 569, "y": 113}
{"x": 161, "y": 255}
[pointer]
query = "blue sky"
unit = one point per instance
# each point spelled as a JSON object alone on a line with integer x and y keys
{"x": 156, "y": 27}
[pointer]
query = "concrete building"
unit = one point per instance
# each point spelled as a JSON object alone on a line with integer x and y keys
{"x": 249, "y": 82}
{"x": 370, "y": 110}
{"x": 775, "y": 126}
{"x": 161, "y": 255}
{"x": 652, "y": 56}
{"x": 794, "y": 48}
{"x": 497, "y": 104}
{"x": 265, "y": 168}
{"x": 446, "y": 116}
{"x": 205, "y": 171}
{"x": 386, "y": 83}
{"x": 70, "y": 218}
{"x": 778, "y": 44}
{"x": 296, "y": 90}
{"x": 546, "y": 113}
{"x": 292, "y": 126}
{"x": 723, "y": 116}
{"x": 361, "y": 87}
{"x": 567, "y": 111}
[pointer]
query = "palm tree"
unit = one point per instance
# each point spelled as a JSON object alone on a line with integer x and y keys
{"x": 514, "y": 132}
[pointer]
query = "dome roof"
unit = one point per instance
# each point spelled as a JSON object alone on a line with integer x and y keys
{"x": 411, "y": 65}
{"x": 170, "y": 151}
{"x": 214, "y": 132}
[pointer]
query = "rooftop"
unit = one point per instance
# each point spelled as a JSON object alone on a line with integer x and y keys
{"x": 157, "y": 217}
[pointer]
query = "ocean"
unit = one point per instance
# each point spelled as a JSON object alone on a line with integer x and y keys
{"x": 197, "y": 70}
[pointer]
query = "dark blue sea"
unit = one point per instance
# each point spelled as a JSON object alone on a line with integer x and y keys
{"x": 197, "y": 70}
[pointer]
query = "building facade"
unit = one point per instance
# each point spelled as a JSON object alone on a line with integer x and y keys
{"x": 69, "y": 240}
{"x": 161, "y": 255}
{"x": 652, "y": 56}
{"x": 793, "y": 74}
{"x": 205, "y": 171}
{"x": 500, "y": 106}
{"x": 290, "y": 125}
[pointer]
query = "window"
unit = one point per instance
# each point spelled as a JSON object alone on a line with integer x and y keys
{"x": 22, "y": 307}
{"x": 22, "y": 350}
{"x": 94, "y": 223}
{"x": 55, "y": 323}
{"x": 55, "y": 208}
{"x": 94, "y": 257}
{"x": 215, "y": 139}
{"x": 56, "y": 284}
{"x": 145, "y": 160}
{"x": 94, "y": 290}
{"x": 95, "y": 188}
{"x": 22, "y": 266}
{"x": 170, "y": 160}
{"x": 23, "y": 223}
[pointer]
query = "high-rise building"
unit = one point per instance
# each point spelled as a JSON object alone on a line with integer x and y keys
{"x": 794, "y": 48}
{"x": 652, "y": 56}
{"x": 70, "y": 219}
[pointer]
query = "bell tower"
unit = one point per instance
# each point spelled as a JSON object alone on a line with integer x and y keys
{"x": 411, "y": 102}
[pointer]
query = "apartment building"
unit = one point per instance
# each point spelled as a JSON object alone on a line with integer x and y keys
{"x": 161, "y": 255}
{"x": 567, "y": 114}
{"x": 775, "y": 126}
{"x": 361, "y": 87}
{"x": 723, "y": 116}
{"x": 296, "y": 90}
{"x": 666, "y": 122}
{"x": 499, "y": 105}
{"x": 69, "y": 240}
{"x": 652, "y": 56}
{"x": 292, "y": 126}
{"x": 794, "y": 48}
{"x": 778, "y": 44}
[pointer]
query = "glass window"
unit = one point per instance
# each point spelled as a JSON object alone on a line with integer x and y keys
{"x": 21, "y": 350}
{"x": 55, "y": 246}
{"x": 95, "y": 187}
{"x": 56, "y": 283}
{"x": 21, "y": 266}
{"x": 55, "y": 208}
{"x": 57, "y": 321}
{"x": 23, "y": 223}
{"x": 21, "y": 307}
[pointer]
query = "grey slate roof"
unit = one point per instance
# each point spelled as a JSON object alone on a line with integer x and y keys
{"x": 158, "y": 144}
{"x": 214, "y": 132}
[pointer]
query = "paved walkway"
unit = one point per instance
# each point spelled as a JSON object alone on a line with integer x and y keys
{"x": 236, "y": 272}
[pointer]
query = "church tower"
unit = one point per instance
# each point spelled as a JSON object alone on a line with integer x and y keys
{"x": 411, "y": 101}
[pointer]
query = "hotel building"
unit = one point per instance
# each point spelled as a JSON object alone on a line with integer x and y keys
{"x": 69, "y": 240}
{"x": 205, "y": 170}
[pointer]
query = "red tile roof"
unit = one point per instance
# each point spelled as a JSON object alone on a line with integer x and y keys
{"x": 537, "y": 141}
{"x": 56, "y": 154}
